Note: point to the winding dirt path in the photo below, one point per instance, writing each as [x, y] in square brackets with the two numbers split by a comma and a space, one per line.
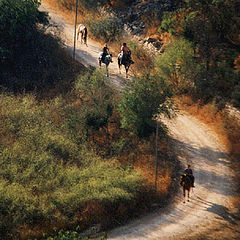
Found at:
[210, 210]
[87, 55]
[210, 205]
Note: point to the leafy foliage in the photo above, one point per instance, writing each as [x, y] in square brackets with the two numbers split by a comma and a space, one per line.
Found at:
[107, 29]
[98, 98]
[177, 66]
[142, 99]
[47, 172]
[86, 4]
[213, 29]
[30, 58]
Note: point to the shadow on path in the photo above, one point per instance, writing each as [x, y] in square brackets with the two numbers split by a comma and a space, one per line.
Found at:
[222, 211]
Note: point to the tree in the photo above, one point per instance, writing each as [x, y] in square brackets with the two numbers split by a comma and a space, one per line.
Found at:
[97, 97]
[19, 21]
[177, 66]
[212, 26]
[19, 34]
[142, 99]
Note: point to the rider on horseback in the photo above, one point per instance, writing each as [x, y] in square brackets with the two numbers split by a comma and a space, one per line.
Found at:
[105, 52]
[125, 52]
[188, 171]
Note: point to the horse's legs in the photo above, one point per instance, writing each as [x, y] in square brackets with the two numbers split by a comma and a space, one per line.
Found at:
[107, 70]
[100, 63]
[85, 40]
[188, 195]
[81, 37]
[184, 195]
[126, 71]
[119, 65]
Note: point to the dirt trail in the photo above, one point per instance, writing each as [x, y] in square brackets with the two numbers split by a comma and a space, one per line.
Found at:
[210, 208]
[210, 204]
[88, 55]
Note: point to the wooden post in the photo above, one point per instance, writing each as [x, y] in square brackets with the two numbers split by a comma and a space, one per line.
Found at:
[156, 160]
[75, 30]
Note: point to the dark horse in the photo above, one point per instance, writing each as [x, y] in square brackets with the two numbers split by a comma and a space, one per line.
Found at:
[186, 183]
[82, 30]
[126, 61]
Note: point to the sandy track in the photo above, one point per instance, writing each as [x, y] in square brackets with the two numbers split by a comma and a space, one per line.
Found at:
[88, 55]
[210, 205]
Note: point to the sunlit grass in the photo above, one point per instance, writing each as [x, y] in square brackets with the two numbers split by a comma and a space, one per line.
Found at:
[46, 173]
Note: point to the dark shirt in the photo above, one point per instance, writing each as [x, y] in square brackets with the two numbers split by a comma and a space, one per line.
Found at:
[188, 171]
[105, 50]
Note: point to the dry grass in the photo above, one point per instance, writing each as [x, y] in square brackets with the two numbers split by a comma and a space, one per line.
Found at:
[208, 114]
[227, 129]
[143, 159]
[152, 25]
[69, 15]
[120, 4]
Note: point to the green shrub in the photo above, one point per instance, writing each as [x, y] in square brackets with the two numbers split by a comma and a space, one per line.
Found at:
[168, 23]
[47, 172]
[119, 146]
[72, 235]
[108, 29]
[98, 182]
[177, 66]
[31, 59]
[98, 98]
[142, 99]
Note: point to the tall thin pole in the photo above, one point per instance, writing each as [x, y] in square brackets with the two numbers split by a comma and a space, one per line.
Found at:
[75, 30]
[156, 160]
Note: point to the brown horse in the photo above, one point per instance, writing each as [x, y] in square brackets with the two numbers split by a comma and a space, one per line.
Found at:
[82, 30]
[126, 61]
[186, 183]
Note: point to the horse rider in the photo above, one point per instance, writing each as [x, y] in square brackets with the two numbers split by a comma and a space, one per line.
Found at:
[126, 52]
[188, 171]
[105, 52]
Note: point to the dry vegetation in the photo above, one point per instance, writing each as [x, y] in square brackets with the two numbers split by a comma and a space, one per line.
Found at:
[59, 203]
[226, 126]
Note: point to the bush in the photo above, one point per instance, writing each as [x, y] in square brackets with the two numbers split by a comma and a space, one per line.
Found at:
[98, 98]
[142, 58]
[121, 3]
[107, 30]
[168, 23]
[47, 172]
[142, 99]
[177, 66]
[70, 5]
[31, 59]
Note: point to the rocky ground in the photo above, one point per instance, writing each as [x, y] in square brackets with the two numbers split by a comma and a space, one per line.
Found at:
[132, 19]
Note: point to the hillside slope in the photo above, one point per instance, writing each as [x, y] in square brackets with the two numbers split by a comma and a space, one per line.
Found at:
[210, 210]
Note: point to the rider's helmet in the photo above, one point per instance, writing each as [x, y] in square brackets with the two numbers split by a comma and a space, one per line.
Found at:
[124, 44]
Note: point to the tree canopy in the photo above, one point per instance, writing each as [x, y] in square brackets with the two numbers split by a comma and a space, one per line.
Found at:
[142, 99]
